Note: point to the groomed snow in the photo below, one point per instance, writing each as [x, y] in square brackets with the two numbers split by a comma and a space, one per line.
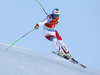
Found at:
[21, 61]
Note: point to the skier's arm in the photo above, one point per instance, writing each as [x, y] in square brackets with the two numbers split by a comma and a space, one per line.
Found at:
[41, 23]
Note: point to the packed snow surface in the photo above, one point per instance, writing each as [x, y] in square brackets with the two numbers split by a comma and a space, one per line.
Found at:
[21, 61]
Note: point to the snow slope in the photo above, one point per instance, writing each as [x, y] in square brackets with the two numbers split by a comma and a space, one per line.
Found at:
[21, 61]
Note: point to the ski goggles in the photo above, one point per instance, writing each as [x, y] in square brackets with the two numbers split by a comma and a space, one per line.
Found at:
[56, 15]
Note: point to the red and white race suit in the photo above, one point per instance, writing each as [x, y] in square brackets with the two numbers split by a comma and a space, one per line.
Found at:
[51, 34]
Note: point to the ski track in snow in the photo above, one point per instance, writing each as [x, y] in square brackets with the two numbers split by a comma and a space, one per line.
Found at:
[21, 61]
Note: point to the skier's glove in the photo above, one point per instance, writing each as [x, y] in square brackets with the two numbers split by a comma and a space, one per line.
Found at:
[36, 27]
[57, 23]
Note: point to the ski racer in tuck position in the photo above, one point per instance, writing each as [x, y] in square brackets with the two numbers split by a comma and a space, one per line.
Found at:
[51, 34]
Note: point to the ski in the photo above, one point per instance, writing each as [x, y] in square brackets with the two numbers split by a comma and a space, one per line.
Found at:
[72, 60]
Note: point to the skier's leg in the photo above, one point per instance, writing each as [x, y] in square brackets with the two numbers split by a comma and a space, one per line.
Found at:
[60, 41]
[54, 41]
[50, 35]
[56, 44]
[63, 46]
[57, 47]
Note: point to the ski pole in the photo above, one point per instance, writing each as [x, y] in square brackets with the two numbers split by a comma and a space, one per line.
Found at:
[42, 7]
[18, 40]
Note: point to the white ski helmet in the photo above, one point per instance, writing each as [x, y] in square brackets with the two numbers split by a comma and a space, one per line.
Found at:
[56, 12]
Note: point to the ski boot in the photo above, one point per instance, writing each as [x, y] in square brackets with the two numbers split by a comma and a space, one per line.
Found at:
[60, 53]
[68, 56]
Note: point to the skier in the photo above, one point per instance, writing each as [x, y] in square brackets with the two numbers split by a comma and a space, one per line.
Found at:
[51, 34]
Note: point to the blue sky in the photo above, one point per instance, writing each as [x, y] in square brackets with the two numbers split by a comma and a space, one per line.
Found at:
[79, 26]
